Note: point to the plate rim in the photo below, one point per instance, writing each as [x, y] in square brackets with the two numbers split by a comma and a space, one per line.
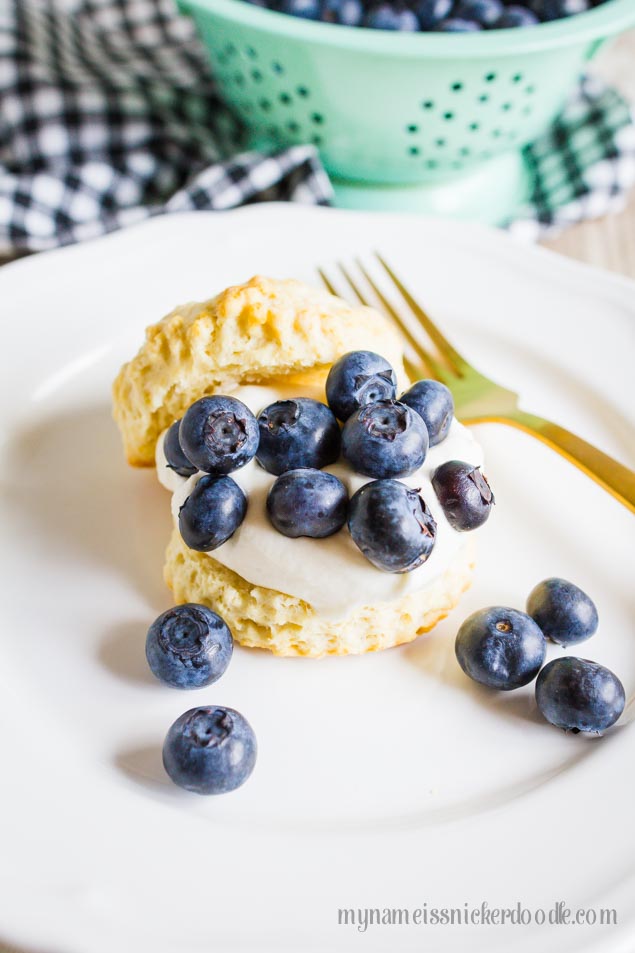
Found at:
[619, 283]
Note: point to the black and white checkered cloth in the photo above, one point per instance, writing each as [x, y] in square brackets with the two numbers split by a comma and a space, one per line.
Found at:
[583, 166]
[109, 114]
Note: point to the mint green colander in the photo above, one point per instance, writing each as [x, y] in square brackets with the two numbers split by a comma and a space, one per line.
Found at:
[389, 109]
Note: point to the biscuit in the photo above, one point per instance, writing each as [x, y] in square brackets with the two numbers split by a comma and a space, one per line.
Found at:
[251, 333]
[286, 625]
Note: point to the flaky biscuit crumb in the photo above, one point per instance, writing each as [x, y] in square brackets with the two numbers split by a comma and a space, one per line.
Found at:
[286, 625]
[257, 332]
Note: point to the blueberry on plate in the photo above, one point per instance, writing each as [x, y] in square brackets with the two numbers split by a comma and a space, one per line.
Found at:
[175, 459]
[485, 12]
[434, 403]
[189, 646]
[219, 434]
[516, 16]
[387, 16]
[500, 647]
[464, 494]
[212, 513]
[307, 502]
[458, 25]
[210, 750]
[386, 439]
[578, 695]
[431, 12]
[392, 526]
[297, 433]
[563, 611]
[357, 379]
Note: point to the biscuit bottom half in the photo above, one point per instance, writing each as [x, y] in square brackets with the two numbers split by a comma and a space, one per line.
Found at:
[285, 625]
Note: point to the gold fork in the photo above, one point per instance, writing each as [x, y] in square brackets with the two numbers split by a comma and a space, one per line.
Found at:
[478, 399]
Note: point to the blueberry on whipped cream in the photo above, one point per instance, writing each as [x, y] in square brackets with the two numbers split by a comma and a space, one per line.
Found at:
[357, 379]
[175, 459]
[212, 513]
[307, 502]
[297, 433]
[324, 497]
[385, 439]
[464, 494]
[391, 525]
[434, 403]
[218, 434]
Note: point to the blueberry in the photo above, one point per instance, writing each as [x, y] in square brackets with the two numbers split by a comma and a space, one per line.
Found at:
[579, 695]
[344, 12]
[434, 403]
[501, 648]
[359, 378]
[386, 16]
[175, 459]
[516, 16]
[306, 9]
[392, 525]
[212, 513]
[189, 646]
[556, 9]
[219, 434]
[307, 503]
[464, 494]
[386, 439]
[297, 433]
[485, 12]
[564, 613]
[458, 25]
[431, 12]
[210, 750]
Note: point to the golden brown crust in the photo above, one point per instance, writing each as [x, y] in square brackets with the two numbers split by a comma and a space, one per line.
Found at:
[251, 333]
[285, 625]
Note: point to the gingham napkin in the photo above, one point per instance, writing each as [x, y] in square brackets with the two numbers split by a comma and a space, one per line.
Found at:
[109, 114]
[584, 166]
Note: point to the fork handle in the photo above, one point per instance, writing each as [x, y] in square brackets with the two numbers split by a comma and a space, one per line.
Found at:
[614, 477]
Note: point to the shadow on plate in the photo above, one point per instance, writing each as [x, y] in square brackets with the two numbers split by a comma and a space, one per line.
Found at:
[74, 499]
[144, 765]
[434, 655]
[122, 652]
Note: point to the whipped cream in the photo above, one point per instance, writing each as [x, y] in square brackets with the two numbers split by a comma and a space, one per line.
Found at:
[330, 574]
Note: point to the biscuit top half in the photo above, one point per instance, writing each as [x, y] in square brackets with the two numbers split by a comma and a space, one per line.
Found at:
[264, 331]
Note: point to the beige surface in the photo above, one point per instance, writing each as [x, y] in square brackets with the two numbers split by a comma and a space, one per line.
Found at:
[608, 242]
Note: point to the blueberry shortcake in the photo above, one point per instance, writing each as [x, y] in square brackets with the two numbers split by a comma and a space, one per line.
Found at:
[322, 504]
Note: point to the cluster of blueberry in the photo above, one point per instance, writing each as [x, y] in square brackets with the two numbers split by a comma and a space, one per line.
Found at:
[209, 749]
[505, 649]
[382, 437]
[450, 16]
[212, 749]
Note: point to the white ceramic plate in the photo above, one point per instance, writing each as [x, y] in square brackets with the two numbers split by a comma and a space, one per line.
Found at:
[382, 781]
